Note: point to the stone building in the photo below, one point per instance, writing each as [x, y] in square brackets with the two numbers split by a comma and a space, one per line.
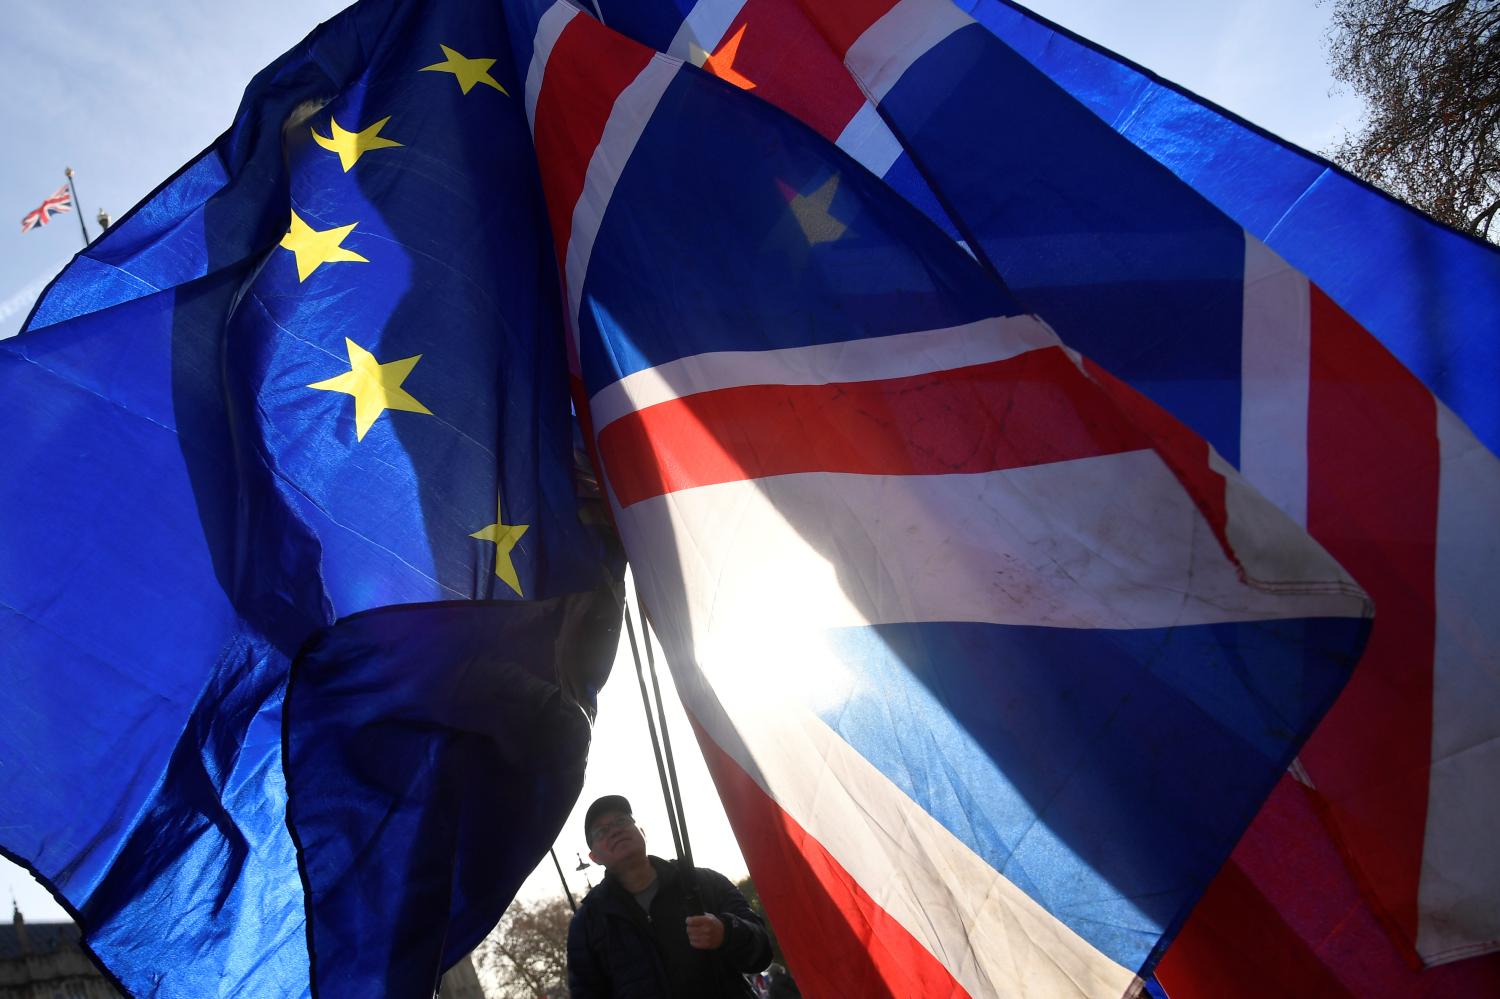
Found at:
[46, 961]
[461, 982]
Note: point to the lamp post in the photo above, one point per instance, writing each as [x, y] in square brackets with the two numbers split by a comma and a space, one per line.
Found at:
[583, 868]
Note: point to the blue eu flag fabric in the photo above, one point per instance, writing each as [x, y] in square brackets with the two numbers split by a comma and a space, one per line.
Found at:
[300, 584]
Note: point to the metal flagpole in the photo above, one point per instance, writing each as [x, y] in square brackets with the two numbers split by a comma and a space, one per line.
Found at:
[572, 903]
[661, 770]
[77, 207]
[675, 815]
[666, 736]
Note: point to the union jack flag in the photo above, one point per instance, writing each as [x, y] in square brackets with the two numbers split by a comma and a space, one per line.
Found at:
[1296, 346]
[60, 201]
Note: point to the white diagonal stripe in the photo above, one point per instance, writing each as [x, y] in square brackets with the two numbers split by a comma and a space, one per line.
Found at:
[1456, 914]
[870, 140]
[821, 364]
[548, 29]
[703, 29]
[889, 47]
[1275, 357]
[627, 120]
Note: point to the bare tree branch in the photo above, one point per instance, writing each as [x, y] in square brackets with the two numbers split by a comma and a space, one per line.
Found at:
[1430, 74]
[525, 957]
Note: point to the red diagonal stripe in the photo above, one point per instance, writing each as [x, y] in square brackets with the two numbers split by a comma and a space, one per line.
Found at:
[788, 60]
[843, 21]
[1284, 918]
[587, 70]
[1373, 464]
[1026, 410]
[837, 940]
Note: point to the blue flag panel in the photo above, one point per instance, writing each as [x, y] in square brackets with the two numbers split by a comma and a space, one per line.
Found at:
[1428, 293]
[432, 755]
[317, 373]
[1125, 262]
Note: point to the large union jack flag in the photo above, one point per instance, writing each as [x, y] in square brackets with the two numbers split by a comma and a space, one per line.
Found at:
[962, 761]
[1321, 337]
[60, 200]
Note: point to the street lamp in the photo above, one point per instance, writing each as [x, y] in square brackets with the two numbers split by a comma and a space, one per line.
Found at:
[582, 868]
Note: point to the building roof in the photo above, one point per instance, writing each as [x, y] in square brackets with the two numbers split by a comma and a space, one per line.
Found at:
[44, 938]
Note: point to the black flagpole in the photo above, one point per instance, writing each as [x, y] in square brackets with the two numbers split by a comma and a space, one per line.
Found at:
[572, 903]
[672, 796]
[666, 736]
[77, 207]
[661, 770]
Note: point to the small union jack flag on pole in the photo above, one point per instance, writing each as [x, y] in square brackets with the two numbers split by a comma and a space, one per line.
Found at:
[60, 201]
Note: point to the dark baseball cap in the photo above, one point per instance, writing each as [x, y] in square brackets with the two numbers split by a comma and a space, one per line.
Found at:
[603, 806]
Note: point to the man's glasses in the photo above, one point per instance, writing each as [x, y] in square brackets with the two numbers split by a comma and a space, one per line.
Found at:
[605, 828]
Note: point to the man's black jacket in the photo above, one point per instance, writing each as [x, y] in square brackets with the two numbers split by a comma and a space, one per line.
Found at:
[616, 952]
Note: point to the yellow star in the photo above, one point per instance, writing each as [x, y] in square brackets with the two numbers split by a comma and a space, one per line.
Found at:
[314, 247]
[468, 71]
[811, 212]
[376, 387]
[721, 63]
[352, 145]
[505, 537]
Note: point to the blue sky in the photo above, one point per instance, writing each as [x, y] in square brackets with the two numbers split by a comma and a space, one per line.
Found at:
[126, 93]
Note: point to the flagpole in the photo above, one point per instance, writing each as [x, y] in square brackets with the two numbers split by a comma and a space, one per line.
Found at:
[572, 902]
[666, 736]
[661, 770]
[672, 796]
[77, 206]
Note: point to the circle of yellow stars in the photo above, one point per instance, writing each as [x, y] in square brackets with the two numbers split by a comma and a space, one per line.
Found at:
[378, 387]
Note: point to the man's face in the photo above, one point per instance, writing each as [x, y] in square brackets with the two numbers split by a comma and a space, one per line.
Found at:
[615, 837]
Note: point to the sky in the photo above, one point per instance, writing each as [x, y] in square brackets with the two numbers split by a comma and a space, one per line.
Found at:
[127, 93]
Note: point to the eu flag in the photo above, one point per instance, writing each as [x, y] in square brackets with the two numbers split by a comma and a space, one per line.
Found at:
[302, 617]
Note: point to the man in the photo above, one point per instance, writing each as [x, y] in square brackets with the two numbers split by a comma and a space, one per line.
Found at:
[637, 935]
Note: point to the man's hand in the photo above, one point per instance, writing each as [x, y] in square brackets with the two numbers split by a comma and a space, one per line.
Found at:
[705, 932]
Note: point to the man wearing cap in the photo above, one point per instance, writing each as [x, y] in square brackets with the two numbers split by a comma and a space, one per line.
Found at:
[638, 934]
